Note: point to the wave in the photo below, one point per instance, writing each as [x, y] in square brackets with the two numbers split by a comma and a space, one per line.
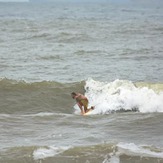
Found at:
[38, 36]
[121, 95]
[54, 97]
[89, 52]
[50, 57]
[113, 151]
[104, 153]
[30, 98]
[42, 153]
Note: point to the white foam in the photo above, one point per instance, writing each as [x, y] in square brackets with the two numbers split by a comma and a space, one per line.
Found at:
[132, 149]
[42, 153]
[112, 159]
[41, 114]
[5, 115]
[120, 94]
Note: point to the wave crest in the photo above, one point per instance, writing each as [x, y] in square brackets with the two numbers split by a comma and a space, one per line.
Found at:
[122, 95]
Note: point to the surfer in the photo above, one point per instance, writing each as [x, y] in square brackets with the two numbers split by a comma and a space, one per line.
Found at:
[82, 101]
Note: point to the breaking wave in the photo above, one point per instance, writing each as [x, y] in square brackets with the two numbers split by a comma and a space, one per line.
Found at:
[103, 153]
[54, 97]
[122, 95]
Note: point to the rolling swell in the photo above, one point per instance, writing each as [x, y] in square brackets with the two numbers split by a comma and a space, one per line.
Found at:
[54, 97]
[45, 96]
[121, 152]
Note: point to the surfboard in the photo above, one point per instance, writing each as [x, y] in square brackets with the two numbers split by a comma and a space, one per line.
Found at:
[88, 113]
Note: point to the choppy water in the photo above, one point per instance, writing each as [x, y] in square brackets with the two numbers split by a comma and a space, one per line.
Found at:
[103, 41]
[111, 52]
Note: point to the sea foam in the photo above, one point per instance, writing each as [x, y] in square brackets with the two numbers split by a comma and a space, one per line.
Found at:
[135, 150]
[131, 149]
[45, 152]
[122, 95]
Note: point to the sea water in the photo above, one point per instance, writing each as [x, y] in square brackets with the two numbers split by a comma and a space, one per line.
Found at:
[110, 51]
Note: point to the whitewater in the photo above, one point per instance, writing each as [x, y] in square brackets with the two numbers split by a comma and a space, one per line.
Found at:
[122, 95]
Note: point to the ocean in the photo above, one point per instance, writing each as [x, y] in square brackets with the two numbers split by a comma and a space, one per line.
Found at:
[112, 52]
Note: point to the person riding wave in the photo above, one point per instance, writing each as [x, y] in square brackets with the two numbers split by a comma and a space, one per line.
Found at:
[82, 101]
